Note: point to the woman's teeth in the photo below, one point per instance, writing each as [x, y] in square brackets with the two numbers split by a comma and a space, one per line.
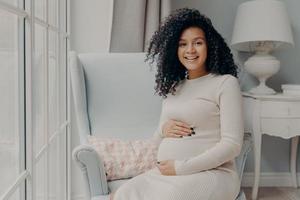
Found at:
[191, 58]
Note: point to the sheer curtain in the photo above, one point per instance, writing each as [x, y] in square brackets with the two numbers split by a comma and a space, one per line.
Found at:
[134, 22]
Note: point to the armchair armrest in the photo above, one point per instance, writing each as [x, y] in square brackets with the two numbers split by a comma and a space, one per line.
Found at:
[92, 168]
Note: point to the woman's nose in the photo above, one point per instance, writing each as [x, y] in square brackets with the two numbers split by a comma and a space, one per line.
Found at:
[190, 48]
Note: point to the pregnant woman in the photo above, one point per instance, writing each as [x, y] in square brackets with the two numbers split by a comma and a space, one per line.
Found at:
[201, 129]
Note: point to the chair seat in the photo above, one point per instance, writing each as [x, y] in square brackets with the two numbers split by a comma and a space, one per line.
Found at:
[114, 185]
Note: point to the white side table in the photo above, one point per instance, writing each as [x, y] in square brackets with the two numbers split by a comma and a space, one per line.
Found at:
[275, 115]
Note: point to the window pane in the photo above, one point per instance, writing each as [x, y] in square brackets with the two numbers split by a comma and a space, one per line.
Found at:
[40, 9]
[41, 178]
[62, 117]
[53, 12]
[54, 178]
[38, 88]
[62, 168]
[63, 83]
[17, 194]
[63, 17]
[12, 2]
[53, 83]
[10, 101]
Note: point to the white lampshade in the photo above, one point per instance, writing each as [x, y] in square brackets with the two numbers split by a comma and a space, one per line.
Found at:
[261, 20]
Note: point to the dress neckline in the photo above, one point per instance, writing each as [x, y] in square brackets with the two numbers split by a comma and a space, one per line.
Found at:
[200, 78]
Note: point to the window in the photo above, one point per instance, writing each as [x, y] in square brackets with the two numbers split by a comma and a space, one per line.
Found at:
[34, 100]
[11, 101]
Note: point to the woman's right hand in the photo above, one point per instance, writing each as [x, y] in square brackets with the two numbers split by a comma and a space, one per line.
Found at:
[176, 129]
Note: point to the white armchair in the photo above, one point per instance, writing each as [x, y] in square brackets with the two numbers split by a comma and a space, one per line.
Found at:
[114, 96]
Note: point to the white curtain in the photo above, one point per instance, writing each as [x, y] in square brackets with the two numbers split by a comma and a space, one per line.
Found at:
[134, 22]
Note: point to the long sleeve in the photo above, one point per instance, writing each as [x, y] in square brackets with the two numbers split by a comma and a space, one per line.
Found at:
[231, 131]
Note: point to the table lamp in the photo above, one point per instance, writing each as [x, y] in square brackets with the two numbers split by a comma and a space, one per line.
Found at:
[262, 26]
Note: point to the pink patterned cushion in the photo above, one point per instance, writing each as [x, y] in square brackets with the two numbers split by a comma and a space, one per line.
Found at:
[125, 159]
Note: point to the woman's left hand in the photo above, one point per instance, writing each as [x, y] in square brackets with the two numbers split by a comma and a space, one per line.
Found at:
[167, 167]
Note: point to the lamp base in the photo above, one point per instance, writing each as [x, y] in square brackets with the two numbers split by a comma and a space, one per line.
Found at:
[262, 65]
[262, 89]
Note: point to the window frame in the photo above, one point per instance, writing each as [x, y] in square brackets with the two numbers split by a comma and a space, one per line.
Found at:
[26, 44]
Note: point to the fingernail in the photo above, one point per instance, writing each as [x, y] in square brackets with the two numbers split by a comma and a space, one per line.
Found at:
[158, 162]
[193, 133]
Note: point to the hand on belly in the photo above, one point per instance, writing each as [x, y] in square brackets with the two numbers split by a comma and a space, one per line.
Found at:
[167, 167]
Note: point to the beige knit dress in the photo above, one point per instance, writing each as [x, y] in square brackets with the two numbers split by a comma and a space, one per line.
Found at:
[204, 162]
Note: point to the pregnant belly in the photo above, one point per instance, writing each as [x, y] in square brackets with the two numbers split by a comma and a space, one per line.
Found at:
[182, 148]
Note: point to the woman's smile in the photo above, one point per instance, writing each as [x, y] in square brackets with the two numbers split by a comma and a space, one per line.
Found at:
[189, 58]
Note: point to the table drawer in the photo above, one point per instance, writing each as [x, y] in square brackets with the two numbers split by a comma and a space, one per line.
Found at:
[285, 128]
[280, 109]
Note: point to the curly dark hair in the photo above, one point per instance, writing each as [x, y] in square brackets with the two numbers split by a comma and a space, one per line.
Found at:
[164, 44]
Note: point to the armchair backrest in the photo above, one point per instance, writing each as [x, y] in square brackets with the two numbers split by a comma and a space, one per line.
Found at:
[114, 95]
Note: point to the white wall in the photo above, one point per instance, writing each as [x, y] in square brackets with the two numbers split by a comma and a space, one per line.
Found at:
[90, 25]
[90, 32]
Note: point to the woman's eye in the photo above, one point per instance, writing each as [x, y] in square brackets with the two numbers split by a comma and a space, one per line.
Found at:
[182, 44]
[199, 43]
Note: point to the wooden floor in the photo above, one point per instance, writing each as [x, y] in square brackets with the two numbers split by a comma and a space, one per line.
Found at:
[275, 193]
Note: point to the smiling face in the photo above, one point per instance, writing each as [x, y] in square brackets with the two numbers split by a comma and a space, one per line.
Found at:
[192, 51]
